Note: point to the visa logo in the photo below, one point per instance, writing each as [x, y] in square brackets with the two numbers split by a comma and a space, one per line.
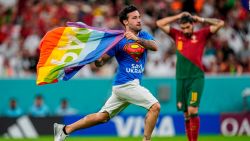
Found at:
[134, 126]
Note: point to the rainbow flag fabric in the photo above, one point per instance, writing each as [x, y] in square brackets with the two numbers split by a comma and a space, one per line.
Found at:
[65, 50]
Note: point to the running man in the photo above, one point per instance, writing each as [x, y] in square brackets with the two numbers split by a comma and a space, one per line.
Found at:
[131, 55]
[190, 46]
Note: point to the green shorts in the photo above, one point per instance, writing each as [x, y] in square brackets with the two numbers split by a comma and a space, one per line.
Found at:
[189, 92]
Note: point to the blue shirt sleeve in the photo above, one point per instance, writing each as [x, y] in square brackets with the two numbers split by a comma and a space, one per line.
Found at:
[112, 51]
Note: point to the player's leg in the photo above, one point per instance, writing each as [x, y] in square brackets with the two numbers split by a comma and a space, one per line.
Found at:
[62, 131]
[194, 123]
[195, 94]
[181, 100]
[187, 125]
[181, 95]
[150, 121]
[87, 121]
[113, 106]
[138, 95]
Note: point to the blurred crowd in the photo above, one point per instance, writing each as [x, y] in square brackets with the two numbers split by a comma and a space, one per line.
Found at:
[24, 22]
[39, 108]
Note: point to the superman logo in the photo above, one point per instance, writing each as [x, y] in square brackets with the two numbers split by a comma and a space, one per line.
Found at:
[135, 50]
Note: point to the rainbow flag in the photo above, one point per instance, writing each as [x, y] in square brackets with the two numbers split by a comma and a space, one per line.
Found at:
[65, 50]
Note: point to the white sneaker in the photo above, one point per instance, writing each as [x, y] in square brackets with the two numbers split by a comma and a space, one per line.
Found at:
[59, 135]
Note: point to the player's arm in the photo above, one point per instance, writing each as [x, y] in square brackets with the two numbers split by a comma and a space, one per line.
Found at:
[148, 44]
[101, 61]
[164, 23]
[216, 24]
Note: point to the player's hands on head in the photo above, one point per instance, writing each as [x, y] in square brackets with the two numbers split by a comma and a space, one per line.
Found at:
[197, 18]
[129, 35]
[184, 14]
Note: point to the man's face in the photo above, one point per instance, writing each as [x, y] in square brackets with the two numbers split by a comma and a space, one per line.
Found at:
[187, 29]
[64, 104]
[13, 104]
[38, 102]
[134, 21]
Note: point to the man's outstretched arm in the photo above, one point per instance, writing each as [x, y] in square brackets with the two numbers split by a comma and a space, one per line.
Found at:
[164, 23]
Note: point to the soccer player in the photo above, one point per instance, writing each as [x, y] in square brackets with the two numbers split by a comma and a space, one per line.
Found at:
[130, 53]
[189, 71]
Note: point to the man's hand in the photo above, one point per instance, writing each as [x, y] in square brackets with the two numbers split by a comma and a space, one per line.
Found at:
[99, 62]
[102, 60]
[184, 14]
[198, 19]
[164, 23]
[130, 35]
[148, 44]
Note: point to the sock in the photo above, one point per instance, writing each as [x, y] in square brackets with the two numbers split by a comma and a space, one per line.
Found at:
[187, 129]
[64, 130]
[194, 126]
[145, 139]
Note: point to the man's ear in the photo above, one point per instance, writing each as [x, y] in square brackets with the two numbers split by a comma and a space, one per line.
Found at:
[125, 22]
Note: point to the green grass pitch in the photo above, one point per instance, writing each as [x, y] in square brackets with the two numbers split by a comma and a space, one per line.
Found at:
[176, 138]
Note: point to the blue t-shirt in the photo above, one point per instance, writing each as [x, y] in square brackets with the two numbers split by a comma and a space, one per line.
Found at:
[14, 112]
[41, 111]
[131, 58]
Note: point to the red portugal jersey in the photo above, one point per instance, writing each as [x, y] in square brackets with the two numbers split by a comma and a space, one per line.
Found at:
[189, 52]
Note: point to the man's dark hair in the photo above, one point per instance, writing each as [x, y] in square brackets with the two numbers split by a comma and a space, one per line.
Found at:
[12, 99]
[123, 15]
[186, 19]
[39, 96]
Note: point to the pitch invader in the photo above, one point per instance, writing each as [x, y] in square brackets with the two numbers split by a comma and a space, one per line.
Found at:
[131, 55]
